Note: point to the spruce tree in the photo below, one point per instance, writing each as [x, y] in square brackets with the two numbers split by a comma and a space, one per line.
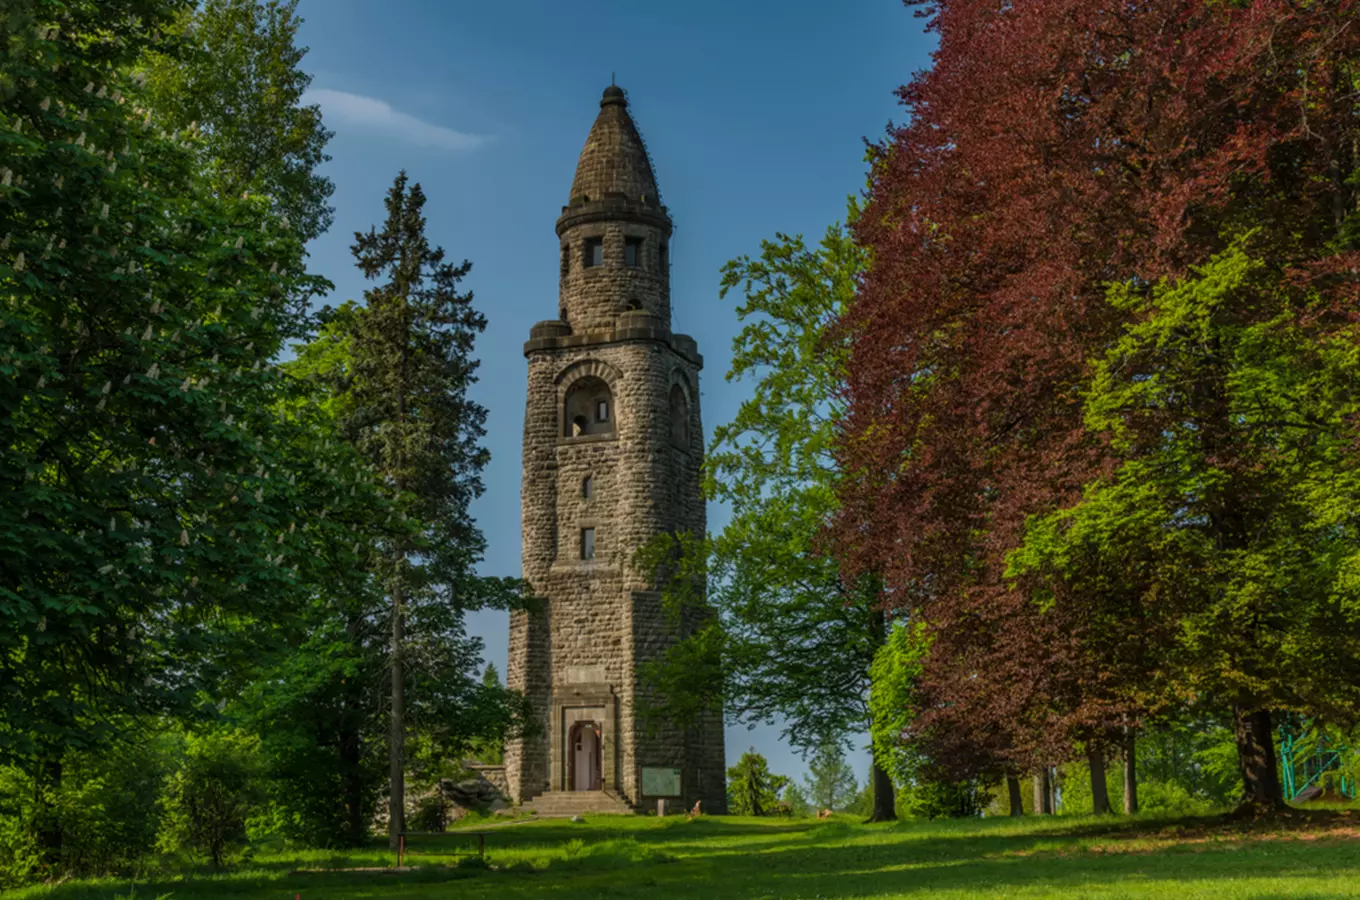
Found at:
[411, 416]
[752, 790]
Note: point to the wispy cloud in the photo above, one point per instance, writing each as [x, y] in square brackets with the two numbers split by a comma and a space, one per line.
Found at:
[368, 113]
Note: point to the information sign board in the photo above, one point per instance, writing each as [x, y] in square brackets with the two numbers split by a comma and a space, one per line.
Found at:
[659, 782]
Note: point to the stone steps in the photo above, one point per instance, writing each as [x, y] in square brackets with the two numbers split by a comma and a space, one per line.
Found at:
[564, 804]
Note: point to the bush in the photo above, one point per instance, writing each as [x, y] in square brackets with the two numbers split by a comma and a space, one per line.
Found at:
[943, 800]
[20, 861]
[208, 800]
[1170, 797]
[106, 806]
[431, 813]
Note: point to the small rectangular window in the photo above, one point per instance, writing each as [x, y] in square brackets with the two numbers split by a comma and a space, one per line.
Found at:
[602, 411]
[566, 260]
[632, 252]
[594, 252]
[587, 543]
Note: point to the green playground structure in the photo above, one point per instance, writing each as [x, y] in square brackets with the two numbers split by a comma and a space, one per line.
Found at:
[1314, 764]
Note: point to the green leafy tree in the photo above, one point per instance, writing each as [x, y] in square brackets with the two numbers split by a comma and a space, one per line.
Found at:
[207, 802]
[797, 799]
[163, 512]
[107, 804]
[236, 74]
[793, 641]
[830, 782]
[491, 752]
[1232, 407]
[752, 790]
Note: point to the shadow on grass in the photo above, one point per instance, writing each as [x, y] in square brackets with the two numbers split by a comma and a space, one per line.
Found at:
[713, 858]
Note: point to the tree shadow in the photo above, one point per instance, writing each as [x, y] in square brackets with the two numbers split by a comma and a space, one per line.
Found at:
[712, 858]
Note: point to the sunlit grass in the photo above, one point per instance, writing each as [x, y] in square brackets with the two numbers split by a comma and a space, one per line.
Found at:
[714, 858]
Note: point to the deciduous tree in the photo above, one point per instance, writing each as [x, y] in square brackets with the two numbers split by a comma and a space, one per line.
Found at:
[161, 508]
[793, 640]
[1062, 154]
[236, 73]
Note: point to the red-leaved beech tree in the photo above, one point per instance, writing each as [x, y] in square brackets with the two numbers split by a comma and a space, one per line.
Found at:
[1069, 166]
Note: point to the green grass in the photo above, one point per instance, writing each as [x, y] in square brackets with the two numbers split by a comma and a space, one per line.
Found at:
[1308, 855]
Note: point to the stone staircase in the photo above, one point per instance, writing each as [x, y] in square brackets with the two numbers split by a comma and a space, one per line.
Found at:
[564, 804]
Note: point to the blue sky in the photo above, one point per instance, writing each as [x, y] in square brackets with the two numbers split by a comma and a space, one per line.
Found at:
[755, 113]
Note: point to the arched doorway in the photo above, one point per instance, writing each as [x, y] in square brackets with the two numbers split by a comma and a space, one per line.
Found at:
[584, 757]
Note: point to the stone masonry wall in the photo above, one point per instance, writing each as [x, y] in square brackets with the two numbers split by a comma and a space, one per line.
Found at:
[578, 656]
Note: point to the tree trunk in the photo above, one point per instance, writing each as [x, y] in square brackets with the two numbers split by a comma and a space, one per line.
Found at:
[352, 785]
[396, 797]
[351, 749]
[885, 795]
[1261, 790]
[1130, 773]
[1043, 793]
[46, 788]
[1013, 789]
[1100, 795]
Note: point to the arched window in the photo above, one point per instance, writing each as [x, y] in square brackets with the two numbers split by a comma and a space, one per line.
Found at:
[679, 410]
[589, 408]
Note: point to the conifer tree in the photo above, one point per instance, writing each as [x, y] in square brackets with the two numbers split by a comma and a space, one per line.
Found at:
[410, 415]
[830, 782]
[752, 789]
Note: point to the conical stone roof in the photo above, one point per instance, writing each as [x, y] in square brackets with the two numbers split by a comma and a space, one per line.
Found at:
[614, 162]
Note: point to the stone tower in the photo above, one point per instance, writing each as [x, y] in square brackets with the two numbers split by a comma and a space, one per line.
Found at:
[612, 454]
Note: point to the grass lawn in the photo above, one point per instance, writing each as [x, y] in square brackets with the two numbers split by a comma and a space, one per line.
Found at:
[1315, 854]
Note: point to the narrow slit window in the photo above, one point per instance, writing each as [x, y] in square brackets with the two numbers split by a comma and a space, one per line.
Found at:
[566, 260]
[594, 255]
[661, 259]
[587, 486]
[587, 543]
[602, 411]
[632, 252]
